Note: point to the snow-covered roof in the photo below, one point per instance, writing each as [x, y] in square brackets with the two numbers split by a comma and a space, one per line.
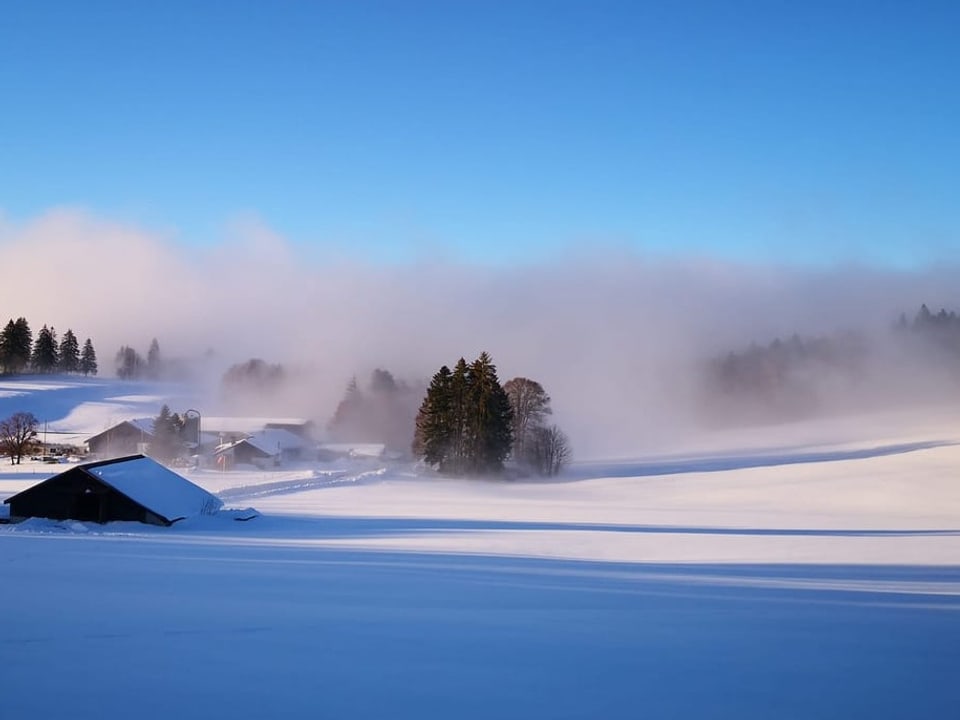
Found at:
[157, 488]
[269, 442]
[246, 425]
[144, 425]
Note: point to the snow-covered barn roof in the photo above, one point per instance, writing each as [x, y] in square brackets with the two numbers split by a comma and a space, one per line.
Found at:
[143, 424]
[128, 488]
[157, 488]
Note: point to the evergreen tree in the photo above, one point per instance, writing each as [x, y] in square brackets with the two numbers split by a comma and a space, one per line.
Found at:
[435, 424]
[69, 353]
[254, 375]
[382, 382]
[6, 340]
[460, 382]
[382, 413]
[166, 444]
[88, 359]
[346, 425]
[45, 354]
[129, 363]
[153, 360]
[489, 418]
[16, 344]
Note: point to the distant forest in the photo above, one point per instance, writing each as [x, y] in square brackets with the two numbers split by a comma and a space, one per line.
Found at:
[801, 376]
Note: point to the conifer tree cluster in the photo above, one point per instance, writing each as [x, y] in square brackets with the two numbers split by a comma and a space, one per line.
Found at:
[167, 443]
[464, 423]
[382, 412]
[939, 331]
[254, 374]
[19, 352]
[131, 365]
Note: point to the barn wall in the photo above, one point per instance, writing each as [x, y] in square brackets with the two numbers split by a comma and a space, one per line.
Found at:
[120, 441]
[77, 495]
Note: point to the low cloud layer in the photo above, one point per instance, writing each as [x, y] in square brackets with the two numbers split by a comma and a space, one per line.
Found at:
[613, 336]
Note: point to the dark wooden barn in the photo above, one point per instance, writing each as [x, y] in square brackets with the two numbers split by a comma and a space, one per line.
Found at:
[130, 488]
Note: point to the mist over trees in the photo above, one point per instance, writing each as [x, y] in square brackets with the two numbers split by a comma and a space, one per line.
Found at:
[167, 443]
[256, 386]
[800, 377]
[129, 364]
[382, 412]
[938, 335]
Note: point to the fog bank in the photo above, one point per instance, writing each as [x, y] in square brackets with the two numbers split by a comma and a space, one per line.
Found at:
[614, 336]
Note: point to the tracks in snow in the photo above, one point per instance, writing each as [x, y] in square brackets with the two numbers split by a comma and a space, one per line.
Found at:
[315, 481]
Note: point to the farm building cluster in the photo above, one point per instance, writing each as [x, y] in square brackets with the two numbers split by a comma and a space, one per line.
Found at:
[118, 480]
[225, 443]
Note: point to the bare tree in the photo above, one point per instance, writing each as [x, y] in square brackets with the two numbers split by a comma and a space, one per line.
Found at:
[531, 405]
[16, 434]
[548, 450]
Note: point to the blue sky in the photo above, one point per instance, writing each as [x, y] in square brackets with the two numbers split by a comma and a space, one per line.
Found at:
[797, 133]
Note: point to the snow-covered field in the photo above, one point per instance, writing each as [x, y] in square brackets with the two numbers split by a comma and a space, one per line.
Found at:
[803, 572]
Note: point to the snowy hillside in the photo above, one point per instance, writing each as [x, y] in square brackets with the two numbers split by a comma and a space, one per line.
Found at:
[71, 408]
[797, 572]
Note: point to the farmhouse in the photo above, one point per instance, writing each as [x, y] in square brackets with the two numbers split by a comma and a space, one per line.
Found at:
[236, 428]
[128, 488]
[124, 438]
[264, 448]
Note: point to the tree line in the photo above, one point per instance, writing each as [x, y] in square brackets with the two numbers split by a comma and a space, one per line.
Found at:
[20, 352]
[785, 376]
